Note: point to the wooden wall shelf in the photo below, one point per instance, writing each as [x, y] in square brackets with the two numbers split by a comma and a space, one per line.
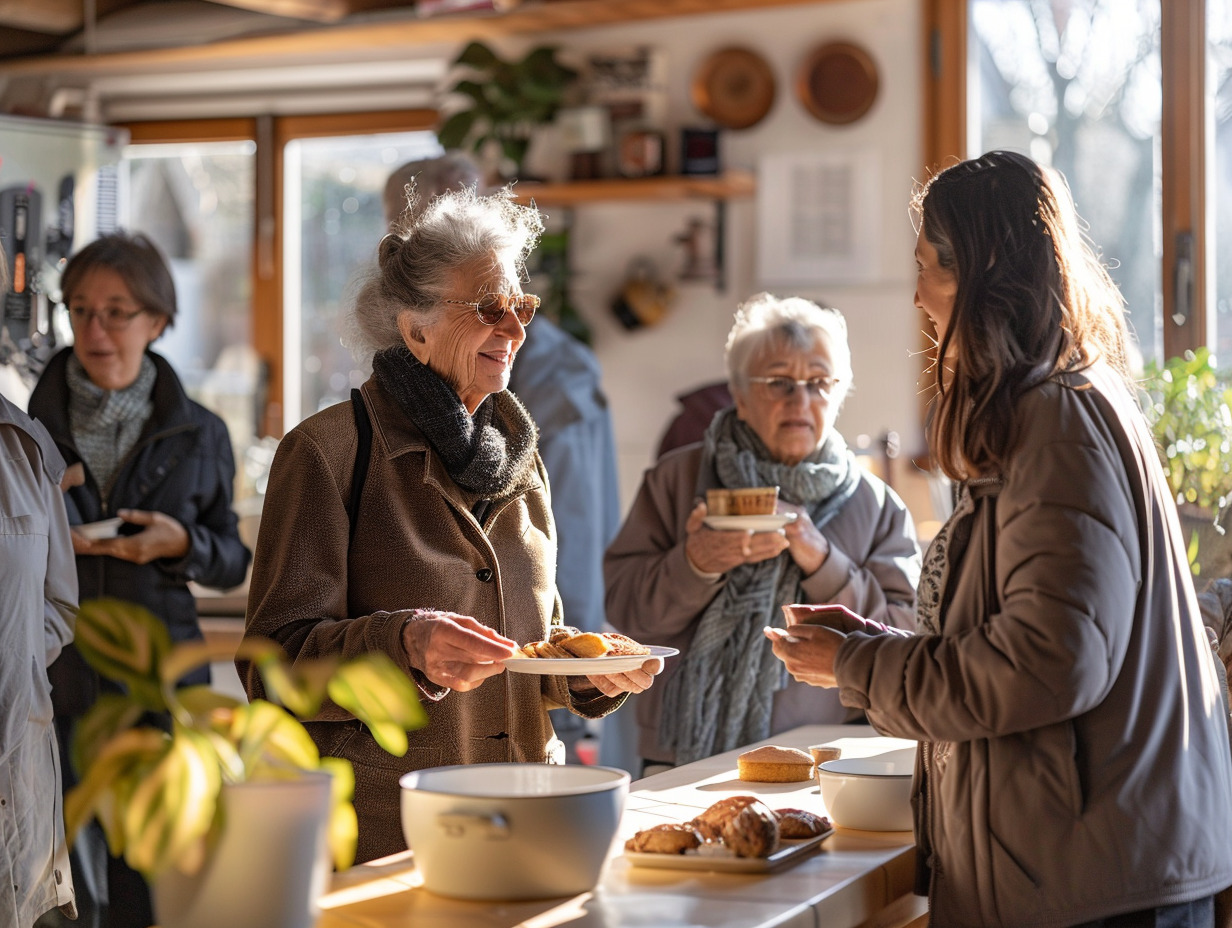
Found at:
[377, 40]
[730, 185]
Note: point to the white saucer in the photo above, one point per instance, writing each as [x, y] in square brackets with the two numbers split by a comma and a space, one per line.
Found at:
[95, 531]
[572, 666]
[767, 523]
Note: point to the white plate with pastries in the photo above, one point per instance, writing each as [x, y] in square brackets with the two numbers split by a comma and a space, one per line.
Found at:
[721, 860]
[571, 666]
[764, 523]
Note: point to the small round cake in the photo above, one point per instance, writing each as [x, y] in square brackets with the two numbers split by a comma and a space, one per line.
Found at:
[773, 764]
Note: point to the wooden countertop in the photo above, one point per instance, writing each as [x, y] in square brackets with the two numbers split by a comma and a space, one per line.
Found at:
[855, 880]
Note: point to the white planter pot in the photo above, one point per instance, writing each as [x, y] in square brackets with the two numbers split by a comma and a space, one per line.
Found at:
[269, 868]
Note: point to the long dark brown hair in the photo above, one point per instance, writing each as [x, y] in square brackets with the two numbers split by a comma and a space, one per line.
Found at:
[1032, 299]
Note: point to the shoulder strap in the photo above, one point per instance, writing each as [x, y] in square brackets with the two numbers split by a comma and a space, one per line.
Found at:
[363, 429]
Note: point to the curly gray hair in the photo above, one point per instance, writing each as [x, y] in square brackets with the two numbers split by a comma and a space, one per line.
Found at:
[457, 230]
[766, 323]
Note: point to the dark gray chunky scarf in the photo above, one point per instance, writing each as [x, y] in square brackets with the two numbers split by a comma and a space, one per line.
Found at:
[105, 424]
[722, 695]
[492, 452]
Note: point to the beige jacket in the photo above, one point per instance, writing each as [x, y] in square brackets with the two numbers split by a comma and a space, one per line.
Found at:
[1076, 764]
[417, 545]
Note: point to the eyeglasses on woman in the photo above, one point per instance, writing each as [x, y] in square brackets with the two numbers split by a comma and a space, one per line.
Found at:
[491, 307]
[111, 318]
[782, 388]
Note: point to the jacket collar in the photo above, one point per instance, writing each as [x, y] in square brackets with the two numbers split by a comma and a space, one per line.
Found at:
[49, 401]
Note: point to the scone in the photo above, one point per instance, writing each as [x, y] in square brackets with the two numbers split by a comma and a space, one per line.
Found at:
[800, 823]
[773, 764]
[753, 831]
[669, 838]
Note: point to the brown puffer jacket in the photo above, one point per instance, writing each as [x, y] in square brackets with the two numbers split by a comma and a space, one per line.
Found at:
[417, 545]
[1077, 762]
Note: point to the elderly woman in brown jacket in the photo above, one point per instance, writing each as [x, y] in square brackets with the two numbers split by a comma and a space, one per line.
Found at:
[446, 561]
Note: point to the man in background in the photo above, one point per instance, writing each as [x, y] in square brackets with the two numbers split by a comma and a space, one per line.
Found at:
[558, 379]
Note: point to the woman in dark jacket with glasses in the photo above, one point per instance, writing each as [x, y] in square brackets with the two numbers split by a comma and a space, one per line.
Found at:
[446, 560]
[158, 466]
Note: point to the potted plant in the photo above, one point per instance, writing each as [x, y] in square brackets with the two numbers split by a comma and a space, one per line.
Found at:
[1189, 406]
[165, 795]
[508, 99]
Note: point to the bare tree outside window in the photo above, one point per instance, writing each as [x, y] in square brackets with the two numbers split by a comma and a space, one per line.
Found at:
[1076, 84]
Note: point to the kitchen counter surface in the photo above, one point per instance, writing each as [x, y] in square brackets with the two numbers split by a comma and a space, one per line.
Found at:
[854, 879]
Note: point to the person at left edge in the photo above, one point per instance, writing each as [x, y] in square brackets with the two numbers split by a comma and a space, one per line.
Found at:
[163, 464]
[38, 597]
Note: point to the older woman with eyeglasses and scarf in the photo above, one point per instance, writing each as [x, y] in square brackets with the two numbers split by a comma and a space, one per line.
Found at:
[144, 454]
[709, 591]
[447, 559]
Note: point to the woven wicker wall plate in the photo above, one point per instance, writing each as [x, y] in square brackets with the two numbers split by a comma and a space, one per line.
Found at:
[837, 82]
[735, 87]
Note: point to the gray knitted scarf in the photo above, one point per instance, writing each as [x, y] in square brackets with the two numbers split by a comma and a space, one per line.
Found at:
[492, 452]
[105, 424]
[722, 694]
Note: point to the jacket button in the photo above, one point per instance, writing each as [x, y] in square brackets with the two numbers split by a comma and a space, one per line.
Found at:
[484, 574]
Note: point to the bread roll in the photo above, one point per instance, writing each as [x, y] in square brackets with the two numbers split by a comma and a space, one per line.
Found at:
[773, 764]
[669, 838]
[753, 831]
[800, 823]
[710, 823]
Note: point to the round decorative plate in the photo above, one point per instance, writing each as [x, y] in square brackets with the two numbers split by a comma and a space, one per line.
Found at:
[837, 82]
[734, 87]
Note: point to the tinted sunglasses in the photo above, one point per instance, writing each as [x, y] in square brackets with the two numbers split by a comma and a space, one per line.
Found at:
[491, 307]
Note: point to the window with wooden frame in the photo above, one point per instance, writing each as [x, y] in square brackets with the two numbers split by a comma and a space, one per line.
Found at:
[301, 200]
[1132, 100]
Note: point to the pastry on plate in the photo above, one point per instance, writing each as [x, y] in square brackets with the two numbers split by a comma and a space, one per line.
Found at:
[669, 838]
[800, 823]
[773, 764]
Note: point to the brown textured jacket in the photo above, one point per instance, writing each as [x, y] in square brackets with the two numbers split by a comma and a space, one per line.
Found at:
[1077, 762]
[417, 545]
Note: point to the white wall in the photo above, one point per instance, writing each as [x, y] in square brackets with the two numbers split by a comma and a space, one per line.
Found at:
[645, 369]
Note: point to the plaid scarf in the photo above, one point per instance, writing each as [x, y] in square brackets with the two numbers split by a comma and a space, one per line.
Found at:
[105, 424]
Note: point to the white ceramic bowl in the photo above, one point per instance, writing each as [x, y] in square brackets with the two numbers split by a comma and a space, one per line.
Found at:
[869, 793]
[512, 831]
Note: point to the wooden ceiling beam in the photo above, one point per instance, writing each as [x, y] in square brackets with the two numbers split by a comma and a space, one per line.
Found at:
[55, 17]
[320, 11]
[372, 40]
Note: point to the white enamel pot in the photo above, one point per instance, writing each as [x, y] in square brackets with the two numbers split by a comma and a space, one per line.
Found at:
[512, 831]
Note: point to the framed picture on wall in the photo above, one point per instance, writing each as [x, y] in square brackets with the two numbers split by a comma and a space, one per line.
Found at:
[819, 217]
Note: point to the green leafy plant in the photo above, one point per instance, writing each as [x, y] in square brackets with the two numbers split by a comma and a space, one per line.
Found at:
[1190, 411]
[1189, 406]
[156, 792]
[508, 99]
